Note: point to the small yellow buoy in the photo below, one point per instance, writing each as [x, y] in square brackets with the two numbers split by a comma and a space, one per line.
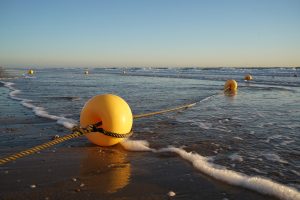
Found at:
[114, 114]
[230, 86]
[248, 77]
[30, 72]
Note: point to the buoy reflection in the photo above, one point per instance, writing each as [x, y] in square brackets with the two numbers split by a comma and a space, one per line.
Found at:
[105, 170]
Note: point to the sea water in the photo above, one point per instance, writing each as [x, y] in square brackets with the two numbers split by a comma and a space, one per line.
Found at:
[250, 139]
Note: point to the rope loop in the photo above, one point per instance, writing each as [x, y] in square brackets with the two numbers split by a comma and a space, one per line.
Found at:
[95, 128]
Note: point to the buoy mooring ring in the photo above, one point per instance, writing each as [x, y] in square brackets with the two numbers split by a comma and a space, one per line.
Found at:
[114, 113]
[230, 86]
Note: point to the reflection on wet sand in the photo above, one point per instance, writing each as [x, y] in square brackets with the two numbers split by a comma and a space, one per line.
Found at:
[105, 170]
[231, 94]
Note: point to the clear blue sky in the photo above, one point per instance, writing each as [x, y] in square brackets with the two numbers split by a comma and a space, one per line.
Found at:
[152, 33]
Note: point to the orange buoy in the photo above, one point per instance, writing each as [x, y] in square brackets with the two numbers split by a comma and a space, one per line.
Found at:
[114, 114]
[230, 86]
[248, 77]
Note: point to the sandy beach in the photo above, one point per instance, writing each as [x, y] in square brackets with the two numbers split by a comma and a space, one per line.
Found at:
[149, 100]
[77, 169]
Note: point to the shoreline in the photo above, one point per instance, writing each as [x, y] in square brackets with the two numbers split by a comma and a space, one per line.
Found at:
[79, 170]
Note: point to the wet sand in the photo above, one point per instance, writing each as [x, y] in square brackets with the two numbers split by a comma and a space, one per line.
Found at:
[77, 169]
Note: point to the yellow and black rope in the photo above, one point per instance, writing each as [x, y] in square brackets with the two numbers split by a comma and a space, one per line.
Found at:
[77, 132]
[164, 111]
[39, 148]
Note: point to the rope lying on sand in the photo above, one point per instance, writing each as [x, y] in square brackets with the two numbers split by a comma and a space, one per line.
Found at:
[78, 131]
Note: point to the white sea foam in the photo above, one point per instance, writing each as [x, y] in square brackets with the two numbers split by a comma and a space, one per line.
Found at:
[136, 145]
[286, 142]
[274, 157]
[203, 125]
[277, 136]
[201, 163]
[236, 157]
[238, 138]
[259, 184]
[207, 126]
[258, 171]
[66, 122]
[39, 111]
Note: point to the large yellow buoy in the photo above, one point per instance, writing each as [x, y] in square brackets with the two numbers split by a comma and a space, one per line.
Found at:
[230, 86]
[248, 77]
[115, 115]
[30, 72]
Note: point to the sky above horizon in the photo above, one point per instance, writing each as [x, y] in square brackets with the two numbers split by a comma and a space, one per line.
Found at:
[153, 33]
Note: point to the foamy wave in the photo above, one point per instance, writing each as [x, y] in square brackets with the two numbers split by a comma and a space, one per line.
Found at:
[203, 125]
[136, 145]
[208, 125]
[259, 184]
[274, 157]
[66, 122]
[39, 111]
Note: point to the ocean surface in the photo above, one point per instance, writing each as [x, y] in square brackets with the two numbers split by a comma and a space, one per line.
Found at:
[250, 139]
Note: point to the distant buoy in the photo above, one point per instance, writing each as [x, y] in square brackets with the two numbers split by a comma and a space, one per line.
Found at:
[30, 72]
[230, 86]
[114, 113]
[248, 77]
[86, 72]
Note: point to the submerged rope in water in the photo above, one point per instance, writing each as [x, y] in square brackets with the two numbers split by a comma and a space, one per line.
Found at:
[77, 132]
[164, 111]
